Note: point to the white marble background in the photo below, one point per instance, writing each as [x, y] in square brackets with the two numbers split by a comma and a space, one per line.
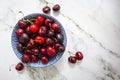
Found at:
[92, 26]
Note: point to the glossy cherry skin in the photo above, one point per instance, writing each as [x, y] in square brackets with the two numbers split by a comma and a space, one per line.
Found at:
[25, 58]
[79, 55]
[46, 9]
[44, 60]
[42, 30]
[72, 59]
[51, 51]
[19, 66]
[34, 28]
[40, 40]
[55, 26]
[34, 58]
[39, 20]
[56, 7]
[22, 24]
[19, 32]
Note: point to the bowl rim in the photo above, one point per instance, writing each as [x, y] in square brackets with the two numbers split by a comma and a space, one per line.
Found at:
[38, 64]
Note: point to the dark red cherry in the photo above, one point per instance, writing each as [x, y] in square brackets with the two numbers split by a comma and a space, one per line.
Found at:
[56, 7]
[19, 46]
[79, 55]
[35, 51]
[46, 9]
[22, 24]
[72, 59]
[19, 32]
[19, 66]
[44, 60]
[51, 51]
[61, 48]
[24, 38]
[43, 51]
[48, 22]
[42, 30]
[49, 41]
[25, 58]
[34, 58]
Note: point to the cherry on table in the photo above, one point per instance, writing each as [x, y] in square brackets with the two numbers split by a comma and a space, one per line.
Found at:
[56, 7]
[19, 66]
[72, 59]
[46, 9]
[79, 55]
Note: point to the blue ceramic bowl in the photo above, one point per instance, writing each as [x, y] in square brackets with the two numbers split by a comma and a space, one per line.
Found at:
[14, 42]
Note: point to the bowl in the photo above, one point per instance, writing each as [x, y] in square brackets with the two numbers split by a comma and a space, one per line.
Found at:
[14, 42]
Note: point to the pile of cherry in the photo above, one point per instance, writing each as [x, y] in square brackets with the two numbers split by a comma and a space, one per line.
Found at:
[40, 39]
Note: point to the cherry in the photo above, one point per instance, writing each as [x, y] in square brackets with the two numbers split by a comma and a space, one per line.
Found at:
[61, 48]
[19, 32]
[39, 20]
[24, 38]
[35, 51]
[34, 58]
[39, 39]
[59, 37]
[43, 51]
[46, 9]
[25, 58]
[72, 59]
[57, 45]
[56, 7]
[79, 55]
[22, 24]
[42, 30]
[51, 51]
[34, 28]
[49, 41]
[19, 46]
[55, 26]
[28, 30]
[19, 66]
[50, 33]
[48, 22]
[44, 60]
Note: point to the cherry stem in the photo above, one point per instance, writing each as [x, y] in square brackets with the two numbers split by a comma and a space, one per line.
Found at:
[70, 53]
[22, 14]
[11, 67]
[29, 21]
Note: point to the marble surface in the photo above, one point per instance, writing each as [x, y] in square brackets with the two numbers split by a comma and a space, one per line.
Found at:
[92, 27]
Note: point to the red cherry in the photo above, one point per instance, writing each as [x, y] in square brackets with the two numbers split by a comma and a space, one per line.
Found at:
[79, 55]
[19, 32]
[43, 51]
[44, 60]
[55, 26]
[34, 28]
[39, 20]
[51, 51]
[19, 66]
[72, 59]
[25, 58]
[33, 58]
[39, 39]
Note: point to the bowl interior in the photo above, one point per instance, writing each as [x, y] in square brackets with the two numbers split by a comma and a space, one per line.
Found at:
[14, 42]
